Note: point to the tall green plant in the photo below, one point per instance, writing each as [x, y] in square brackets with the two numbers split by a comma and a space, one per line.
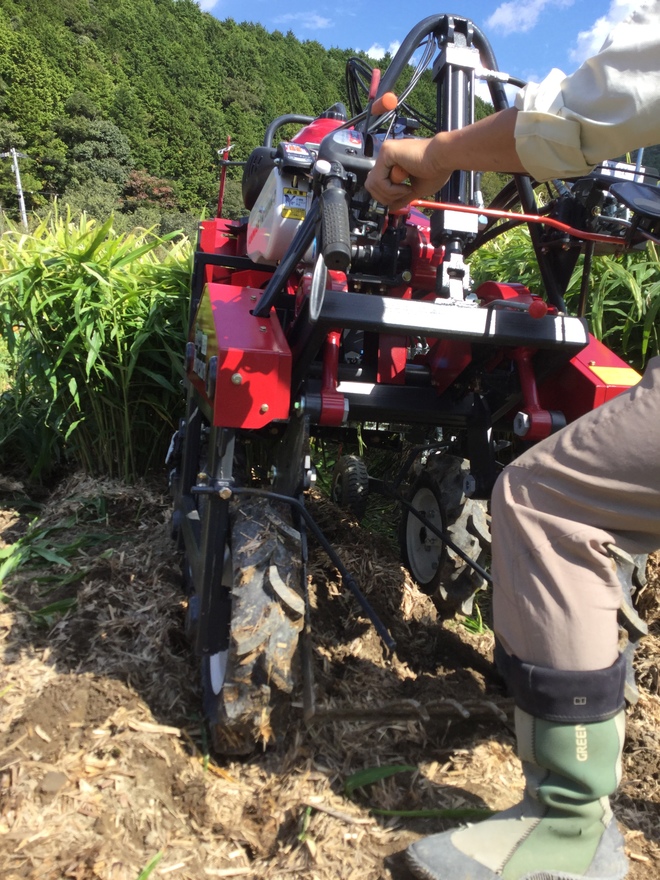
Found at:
[625, 304]
[95, 322]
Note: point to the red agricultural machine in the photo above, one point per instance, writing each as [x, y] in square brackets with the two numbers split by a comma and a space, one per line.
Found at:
[321, 315]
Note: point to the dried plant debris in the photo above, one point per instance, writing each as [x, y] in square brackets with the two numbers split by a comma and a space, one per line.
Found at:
[105, 770]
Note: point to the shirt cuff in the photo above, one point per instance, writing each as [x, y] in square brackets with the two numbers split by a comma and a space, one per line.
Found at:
[549, 146]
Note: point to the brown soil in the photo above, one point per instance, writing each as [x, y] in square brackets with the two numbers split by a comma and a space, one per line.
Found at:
[103, 758]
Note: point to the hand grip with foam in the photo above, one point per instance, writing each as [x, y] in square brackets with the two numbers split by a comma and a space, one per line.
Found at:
[335, 229]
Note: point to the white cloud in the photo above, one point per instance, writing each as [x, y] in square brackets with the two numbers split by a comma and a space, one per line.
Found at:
[590, 41]
[207, 5]
[310, 20]
[376, 50]
[514, 17]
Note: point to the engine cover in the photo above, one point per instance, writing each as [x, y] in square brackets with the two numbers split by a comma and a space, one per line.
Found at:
[281, 205]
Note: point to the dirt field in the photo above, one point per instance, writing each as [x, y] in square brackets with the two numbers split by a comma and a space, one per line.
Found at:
[104, 769]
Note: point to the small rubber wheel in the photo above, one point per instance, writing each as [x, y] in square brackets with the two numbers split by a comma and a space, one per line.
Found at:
[350, 485]
[440, 571]
[422, 549]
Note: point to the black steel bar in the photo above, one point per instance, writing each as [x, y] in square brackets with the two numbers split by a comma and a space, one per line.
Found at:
[447, 320]
[230, 261]
[589, 249]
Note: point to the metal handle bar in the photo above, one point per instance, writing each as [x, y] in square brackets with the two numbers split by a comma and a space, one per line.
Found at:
[284, 120]
[423, 29]
[522, 218]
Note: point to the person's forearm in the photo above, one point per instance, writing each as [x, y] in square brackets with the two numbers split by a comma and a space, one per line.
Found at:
[487, 145]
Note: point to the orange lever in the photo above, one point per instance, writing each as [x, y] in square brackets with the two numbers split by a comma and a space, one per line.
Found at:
[398, 174]
[384, 104]
[375, 82]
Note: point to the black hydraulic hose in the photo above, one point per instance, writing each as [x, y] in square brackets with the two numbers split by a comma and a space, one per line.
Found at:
[490, 234]
[496, 88]
[406, 50]
[428, 26]
[523, 182]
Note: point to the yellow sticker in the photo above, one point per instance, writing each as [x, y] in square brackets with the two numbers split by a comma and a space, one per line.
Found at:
[293, 213]
[295, 204]
[617, 375]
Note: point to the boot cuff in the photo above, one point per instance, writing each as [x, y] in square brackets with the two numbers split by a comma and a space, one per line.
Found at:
[562, 695]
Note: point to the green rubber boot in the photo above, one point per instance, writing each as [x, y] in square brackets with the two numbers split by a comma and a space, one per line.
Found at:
[562, 830]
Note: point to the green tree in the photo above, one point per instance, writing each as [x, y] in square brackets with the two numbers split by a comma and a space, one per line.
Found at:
[96, 149]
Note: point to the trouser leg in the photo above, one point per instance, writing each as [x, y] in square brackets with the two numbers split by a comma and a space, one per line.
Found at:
[556, 603]
[555, 510]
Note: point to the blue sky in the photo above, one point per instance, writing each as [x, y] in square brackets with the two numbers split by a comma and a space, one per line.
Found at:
[528, 37]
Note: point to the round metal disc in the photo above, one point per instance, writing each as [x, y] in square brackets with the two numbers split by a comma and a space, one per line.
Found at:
[317, 292]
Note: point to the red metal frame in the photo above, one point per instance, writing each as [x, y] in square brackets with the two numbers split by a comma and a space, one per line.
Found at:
[252, 382]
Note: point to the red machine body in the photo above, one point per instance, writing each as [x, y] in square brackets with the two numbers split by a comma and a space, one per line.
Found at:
[242, 364]
[591, 378]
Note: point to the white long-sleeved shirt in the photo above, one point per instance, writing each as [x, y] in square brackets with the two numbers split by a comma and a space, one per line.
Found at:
[568, 124]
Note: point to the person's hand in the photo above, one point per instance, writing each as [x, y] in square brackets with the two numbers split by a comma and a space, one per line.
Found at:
[414, 157]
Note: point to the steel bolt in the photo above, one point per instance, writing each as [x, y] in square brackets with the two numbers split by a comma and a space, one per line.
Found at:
[521, 424]
[263, 329]
[236, 378]
[263, 408]
[225, 493]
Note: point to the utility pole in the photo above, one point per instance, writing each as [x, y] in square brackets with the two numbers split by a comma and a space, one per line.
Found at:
[14, 155]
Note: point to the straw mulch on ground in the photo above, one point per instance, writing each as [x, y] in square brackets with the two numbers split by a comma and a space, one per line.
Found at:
[104, 767]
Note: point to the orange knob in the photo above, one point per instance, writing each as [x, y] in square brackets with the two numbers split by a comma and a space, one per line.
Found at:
[398, 174]
[384, 104]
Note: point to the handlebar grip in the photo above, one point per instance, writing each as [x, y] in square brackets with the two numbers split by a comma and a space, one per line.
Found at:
[384, 104]
[335, 229]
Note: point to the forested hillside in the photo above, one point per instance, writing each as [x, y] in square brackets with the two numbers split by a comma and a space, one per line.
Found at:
[123, 104]
[128, 100]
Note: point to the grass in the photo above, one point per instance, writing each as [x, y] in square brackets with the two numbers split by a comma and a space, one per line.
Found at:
[93, 324]
[48, 552]
[151, 865]
[371, 775]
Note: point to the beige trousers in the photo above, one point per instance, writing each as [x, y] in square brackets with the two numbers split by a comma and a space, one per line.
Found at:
[597, 481]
